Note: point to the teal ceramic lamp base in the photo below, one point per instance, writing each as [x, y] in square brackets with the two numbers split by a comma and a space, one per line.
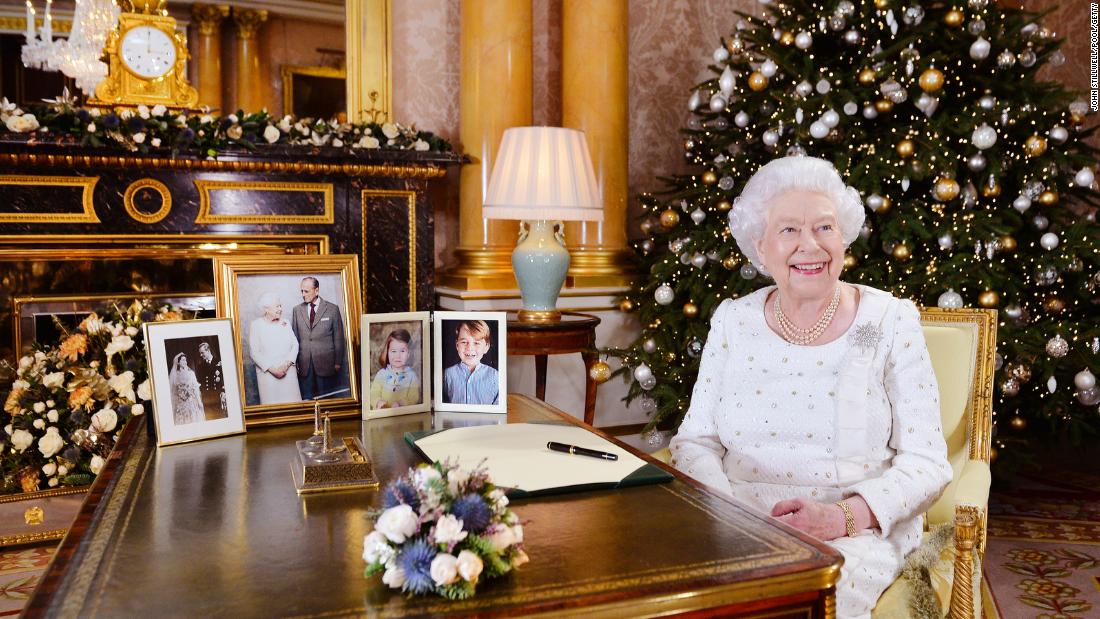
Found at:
[540, 261]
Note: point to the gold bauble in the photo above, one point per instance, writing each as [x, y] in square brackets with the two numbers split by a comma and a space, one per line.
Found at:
[989, 298]
[724, 206]
[954, 18]
[709, 177]
[729, 262]
[1076, 118]
[786, 38]
[1048, 198]
[867, 77]
[1035, 145]
[1007, 242]
[599, 372]
[1053, 304]
[669, 218]
[902, 252]
[1019, 371]
[991, 191]
[884, 106]
[626, 305]
[993, 453]
[691, 310]
[1018, 423]
[906, 148]
[886, 205]
[945, 189]
[757, 81]
[850, 261]
[931, 80]
[882, 4]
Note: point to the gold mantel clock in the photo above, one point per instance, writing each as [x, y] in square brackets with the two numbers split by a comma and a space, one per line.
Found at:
[146, 60]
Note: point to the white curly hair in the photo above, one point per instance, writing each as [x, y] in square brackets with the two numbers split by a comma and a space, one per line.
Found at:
[267, 300]
[800, 173]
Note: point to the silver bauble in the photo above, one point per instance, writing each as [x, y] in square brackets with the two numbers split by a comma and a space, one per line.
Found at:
[850, 108]
[1021, 203]
[721, 54]
[770, 137]
[1058, 133]
[1033, 189]
[979, 49]
[728, 81]
[768, 68]
[695, 101]
[987, 102]
[1046, 275]
[865, 231]
[853, 37]
[1089, 397]
[1006, 59]
[664, 294]
[648, 383]
[983, 137]
[694, 348]
[869, 112]
[1010, 387]
[912, 15]
[1040, 222]
[949, 300]
[698, 216]
[698, 261]
[717, 103]
[998, 361]
[1084, 177]
[830, 118]
[1057, 347]
[748, 271]
[823, 87]
[647, 404]
[837, 23]
[642, 372]
[946, 241]
[875, 202]
[1014, 311]
[818, 130]
[741, 119]
[1027, 58]
[650, 346]
[803, 40]
[976, 162]
[845, 8]
[1052, 384]
[685, 259]
[804, 88]
[1084, 380]
[695, 124]
[978, 5]
[1057, 58]
[1049, 241]
[725, 184]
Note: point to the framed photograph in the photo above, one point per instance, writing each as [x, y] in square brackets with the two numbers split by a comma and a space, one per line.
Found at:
[396, 366]
[470, 361]
[193, 369]
[293, 319]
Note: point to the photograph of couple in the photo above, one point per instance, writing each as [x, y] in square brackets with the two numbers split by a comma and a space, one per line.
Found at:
[293, 338]
[196, 379]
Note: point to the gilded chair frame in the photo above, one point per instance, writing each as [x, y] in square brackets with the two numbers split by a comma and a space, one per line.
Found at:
[971, 519]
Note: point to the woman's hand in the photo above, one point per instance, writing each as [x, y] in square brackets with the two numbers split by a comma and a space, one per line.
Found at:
[821, 520]
[276, 372]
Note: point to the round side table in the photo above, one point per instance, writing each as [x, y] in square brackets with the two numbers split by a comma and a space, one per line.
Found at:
[575, 333]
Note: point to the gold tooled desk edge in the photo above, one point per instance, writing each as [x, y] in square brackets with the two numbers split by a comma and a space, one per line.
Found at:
[300, 487]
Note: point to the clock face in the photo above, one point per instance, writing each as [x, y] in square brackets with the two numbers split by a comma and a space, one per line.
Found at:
[148, 52]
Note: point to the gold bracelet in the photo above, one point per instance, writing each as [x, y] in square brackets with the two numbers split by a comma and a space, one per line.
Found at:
[849, 519]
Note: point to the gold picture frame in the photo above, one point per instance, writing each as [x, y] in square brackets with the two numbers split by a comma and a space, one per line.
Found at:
[263, 296]
[300, 81]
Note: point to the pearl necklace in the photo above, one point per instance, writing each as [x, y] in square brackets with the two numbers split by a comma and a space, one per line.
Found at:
[794, 334]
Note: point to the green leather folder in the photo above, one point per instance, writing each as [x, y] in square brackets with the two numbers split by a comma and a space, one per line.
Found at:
[646, 474]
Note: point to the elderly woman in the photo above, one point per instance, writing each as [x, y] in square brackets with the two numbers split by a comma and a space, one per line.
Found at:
[815, 402]
[274, 348]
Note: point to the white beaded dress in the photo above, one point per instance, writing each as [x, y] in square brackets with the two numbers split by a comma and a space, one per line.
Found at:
[770, 420]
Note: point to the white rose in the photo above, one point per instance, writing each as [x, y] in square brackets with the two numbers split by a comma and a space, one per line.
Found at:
[97, 464]
[206, 119]
[62, 469]
[376, 549]
[394, 578]
[501, 538]
[337, 143]
[21, 124]
[143, 111]
[26, 362]
[119, 343]
[52, 415]
[123, 384]
[444, 569]
[449, 530]
[455, 479]
[105, 420]
[368, 141]
[469, 566]
[145, 390]
[499, 500]
[131, 331]
[39, 407]
[519, 558]
[91, 127]
[20, 384]
[137, 409]
[38, 424]
[397, 523]
[40, 356]
[232, 118]
[52, 482]
[21, 440]
[517, 533]
[390, 130]
[8, 429]
[116, 329]
[50, 443]
[53, 380]
[49, 403]
[126, 114]
[49, 469]
[95, 112]
[420, 145]
[138, 137]
[425, 475]
[159, 110]
[284, 124]
[155, 142]
[271, 134]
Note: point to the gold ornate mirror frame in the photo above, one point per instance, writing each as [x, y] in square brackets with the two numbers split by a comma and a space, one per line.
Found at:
[369, 70]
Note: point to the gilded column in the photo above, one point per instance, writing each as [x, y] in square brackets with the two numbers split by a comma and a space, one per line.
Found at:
[495, 94]
[249, 79]
[208, 57]
[368, 44]
[594, 100]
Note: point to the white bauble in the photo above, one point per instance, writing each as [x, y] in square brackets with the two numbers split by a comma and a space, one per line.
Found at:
[976, 162]
[695, 101]
[818, 129]
[748, 271]
[987, 102]
[830, 118]
[768, 68]
[721, 54]
[698, 216]
[698, 261]
[650, 346]
[643, 372]
[946, 241]
[1052, 384]
[1089, 397]
[1021, 203]
[717, 103]
[1084, 380]
[648, 383]
[979, 50]
[823, 87]
[950, 300]
[869, 112]
[1049, 240]
[728, 81]
[741, 119]
[799, 115]
[850, 108]
[875, 202]
[770, 138]
[1084, 178]
[1058, 133]
[853, 37]
[664, 294]
[983, 137]
[803, 40]
[803, 89]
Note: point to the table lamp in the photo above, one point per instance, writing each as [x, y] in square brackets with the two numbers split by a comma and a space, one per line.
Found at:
[542, 176]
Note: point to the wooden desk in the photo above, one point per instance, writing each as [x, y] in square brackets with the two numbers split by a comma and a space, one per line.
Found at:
[575, 332]
[215, 528]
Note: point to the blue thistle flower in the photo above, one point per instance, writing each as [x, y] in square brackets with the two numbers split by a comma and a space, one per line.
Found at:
[146, 315]
[415, 558]
[186, 135]
[124, 410]
[400, 492]
[83, 115]
[111, 121]
[473, 512]
[135, 124]
[131, 364]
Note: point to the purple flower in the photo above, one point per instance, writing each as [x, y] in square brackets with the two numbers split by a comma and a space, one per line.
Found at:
[400, 492]
[473, 512]
[146, 315]
[415, 559]
[111, 121]
[84, 116]
[187, 135]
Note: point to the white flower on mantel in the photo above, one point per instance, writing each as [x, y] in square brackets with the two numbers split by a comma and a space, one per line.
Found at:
[155, 142]
[377, 549]
[91, 127]
[397, 523]
[421, 145]
[271, 134]
[21, 440]
[444, 569]
[284, 124]
[119, 343]
[143, 111]
[51, 442]
[368, 141]
[448, 530]
[21, 124]
[97, 464]
[337, 142]
[123, 385]
[137, 409]
[53, 380]
[105, 420]
[159, 110]
[145, 390]
[49, 469]
[390, 130]
[138, 137]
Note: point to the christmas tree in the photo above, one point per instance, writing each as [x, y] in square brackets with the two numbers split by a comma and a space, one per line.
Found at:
[975, 175]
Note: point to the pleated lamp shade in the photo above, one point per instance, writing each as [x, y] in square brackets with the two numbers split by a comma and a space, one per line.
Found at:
[543, 173]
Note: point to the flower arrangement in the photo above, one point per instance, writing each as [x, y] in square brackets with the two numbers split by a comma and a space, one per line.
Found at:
[70, 401]
[159, 128]
[441, 530]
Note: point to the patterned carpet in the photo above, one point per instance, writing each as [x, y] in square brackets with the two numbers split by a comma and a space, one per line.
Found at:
[1043, 556]
[20, 569]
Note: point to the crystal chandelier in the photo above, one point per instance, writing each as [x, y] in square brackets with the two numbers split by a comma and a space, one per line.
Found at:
[78, 56]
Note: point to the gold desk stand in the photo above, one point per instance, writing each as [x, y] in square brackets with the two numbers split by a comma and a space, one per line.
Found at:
[352, 470]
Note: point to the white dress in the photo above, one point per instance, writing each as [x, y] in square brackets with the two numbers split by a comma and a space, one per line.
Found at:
[770, 420]
[186, 397]
[272, 344]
